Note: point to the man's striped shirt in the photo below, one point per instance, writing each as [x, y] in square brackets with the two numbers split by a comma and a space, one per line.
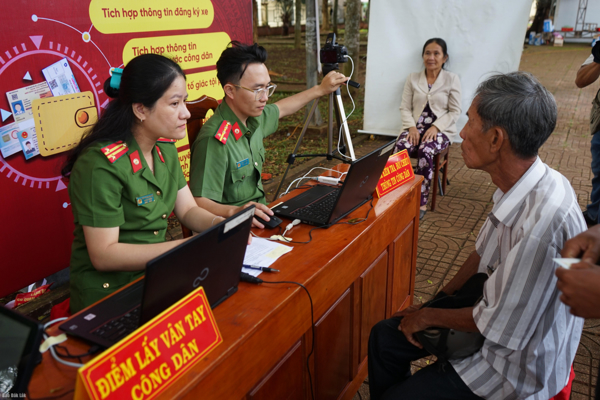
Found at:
[531, 337]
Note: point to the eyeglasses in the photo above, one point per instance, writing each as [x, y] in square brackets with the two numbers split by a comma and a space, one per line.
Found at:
[258, 93]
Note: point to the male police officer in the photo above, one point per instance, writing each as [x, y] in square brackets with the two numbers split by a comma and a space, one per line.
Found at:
[228, 154]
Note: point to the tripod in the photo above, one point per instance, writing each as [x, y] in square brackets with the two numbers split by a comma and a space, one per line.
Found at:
[335, 102]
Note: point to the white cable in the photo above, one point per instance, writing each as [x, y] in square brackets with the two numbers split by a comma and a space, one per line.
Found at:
[290, 226]
[54, 355]
[305, 176]
[346, 116]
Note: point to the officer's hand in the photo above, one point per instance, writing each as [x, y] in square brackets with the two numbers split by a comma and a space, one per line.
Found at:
[596, 52]
[331, 82]
[261, 211]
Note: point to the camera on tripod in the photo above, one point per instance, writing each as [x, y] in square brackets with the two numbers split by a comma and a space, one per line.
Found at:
[332, 54]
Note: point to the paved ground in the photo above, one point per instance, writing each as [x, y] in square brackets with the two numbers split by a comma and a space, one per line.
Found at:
[447, 236]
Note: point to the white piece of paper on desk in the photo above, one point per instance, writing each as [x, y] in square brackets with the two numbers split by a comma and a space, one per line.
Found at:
[263, 253]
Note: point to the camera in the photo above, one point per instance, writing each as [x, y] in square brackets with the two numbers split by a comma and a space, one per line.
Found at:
[333, 53]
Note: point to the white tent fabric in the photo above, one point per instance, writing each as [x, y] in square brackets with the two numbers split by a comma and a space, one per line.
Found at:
[483, 37]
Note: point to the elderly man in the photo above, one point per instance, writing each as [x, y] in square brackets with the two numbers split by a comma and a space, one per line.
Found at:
[530, 337]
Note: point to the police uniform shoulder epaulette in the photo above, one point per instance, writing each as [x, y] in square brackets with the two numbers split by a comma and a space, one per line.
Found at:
[223, 131]
[114, 151]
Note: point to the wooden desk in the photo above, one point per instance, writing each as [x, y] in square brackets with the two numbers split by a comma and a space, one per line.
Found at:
[356, 275]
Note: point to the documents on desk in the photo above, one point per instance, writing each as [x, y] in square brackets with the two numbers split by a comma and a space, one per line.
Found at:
[262, 253]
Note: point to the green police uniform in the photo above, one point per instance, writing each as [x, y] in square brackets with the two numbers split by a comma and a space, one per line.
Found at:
[105, 194]
[230, 173]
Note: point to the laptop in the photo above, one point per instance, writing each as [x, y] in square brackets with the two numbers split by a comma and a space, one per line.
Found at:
[324, 205]
[212, 259]
[20, 339]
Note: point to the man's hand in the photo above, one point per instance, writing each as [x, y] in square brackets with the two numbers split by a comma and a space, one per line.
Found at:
[413, 136]
[331, 82]
[586, 246]
[431, 134]
[412, 323]
[407, 310]
[261, 211]
[580, 287]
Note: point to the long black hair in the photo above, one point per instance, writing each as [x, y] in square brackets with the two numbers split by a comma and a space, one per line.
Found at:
[442, 43]
[145, 79]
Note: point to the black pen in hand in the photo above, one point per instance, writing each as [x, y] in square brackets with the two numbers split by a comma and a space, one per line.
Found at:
[263, 269]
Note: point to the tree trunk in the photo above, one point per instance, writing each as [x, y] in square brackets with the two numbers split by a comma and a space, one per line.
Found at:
[542, 12]
[266, 7]
[352, 35]
[298, 26]
[311, 54]
[325, 13]
[334, 18]
[255, 21]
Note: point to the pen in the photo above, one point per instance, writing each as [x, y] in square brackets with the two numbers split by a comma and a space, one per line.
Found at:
[264, 269]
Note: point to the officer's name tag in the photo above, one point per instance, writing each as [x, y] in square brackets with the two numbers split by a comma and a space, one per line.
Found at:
[242, 163]
[149, 198]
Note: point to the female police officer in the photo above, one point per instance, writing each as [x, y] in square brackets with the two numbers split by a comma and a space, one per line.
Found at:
[124, 182]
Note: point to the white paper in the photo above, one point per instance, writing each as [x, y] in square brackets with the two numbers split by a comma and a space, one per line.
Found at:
[566, 262]
[263, 253]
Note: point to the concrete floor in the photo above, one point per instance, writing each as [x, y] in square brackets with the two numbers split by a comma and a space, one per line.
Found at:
[447, 236]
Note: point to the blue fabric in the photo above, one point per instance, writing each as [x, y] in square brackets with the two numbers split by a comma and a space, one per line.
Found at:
[592, 208]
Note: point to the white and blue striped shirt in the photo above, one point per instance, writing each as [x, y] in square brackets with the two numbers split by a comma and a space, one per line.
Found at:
[531, 337]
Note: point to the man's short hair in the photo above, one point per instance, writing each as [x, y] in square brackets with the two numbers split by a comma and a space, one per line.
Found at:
[518, 103]
[235, 59]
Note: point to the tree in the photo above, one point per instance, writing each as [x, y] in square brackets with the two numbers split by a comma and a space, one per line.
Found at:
[334, 17]
[311, 54]
[352, 34]
[325, 16]
[298, 26]
[542, 12]
[287, 7]
[255, 21]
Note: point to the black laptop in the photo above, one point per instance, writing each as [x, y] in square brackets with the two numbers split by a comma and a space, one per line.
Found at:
[212, 259]
[325, 204]
[20, 339]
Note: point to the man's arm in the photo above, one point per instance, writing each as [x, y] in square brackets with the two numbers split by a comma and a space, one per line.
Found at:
[460, 319]
[587, 75]
[330, 83]
[468, 269]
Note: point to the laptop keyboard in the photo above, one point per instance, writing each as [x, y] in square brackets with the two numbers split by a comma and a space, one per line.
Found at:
[116, 329]
[318, 210]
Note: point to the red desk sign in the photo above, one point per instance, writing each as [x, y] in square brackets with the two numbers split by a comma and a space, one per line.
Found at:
[143, 364]
[396, 173]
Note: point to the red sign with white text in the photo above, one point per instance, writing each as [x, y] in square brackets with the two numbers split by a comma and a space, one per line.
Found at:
[146, 362]
[396, 173]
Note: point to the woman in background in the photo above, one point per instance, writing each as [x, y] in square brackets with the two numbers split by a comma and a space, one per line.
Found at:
[430, 108]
